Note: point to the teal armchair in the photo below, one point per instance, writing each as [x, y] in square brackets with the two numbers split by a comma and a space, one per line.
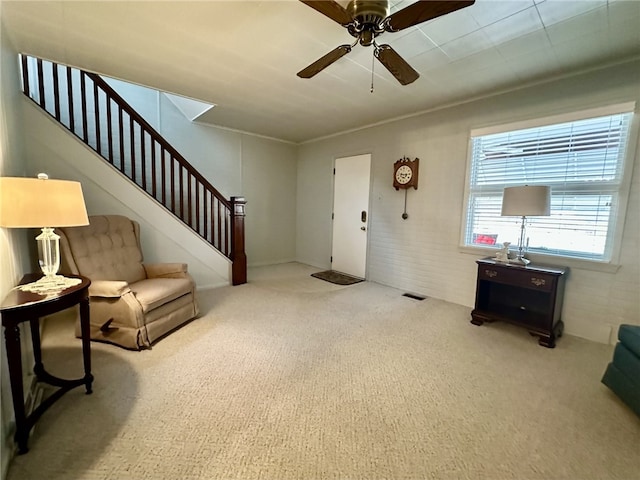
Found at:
[622, 375]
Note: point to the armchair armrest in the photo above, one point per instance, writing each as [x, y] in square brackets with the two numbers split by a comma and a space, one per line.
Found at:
[166, 270]
[108, 288]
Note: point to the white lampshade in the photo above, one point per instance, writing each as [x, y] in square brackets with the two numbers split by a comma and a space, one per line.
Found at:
[40, 202]
[526, 201]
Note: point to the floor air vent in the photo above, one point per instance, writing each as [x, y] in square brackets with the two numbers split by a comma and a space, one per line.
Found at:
[415, 297]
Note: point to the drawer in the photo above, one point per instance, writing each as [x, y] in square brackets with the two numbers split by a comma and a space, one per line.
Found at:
[520, 277]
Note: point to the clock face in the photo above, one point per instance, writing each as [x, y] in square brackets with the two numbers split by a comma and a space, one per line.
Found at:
[404, 174]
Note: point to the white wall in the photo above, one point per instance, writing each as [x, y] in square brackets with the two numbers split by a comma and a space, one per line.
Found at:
[422, 254]
[216, 153]
[238, 164]
[15, 254]
[269, 171]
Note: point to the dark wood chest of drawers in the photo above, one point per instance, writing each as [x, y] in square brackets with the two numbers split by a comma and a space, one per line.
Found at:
[530, 296]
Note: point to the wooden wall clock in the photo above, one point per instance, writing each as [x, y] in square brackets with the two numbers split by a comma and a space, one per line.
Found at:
[405, 173]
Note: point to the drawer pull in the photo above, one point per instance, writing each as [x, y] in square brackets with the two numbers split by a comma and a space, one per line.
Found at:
[538, 281]
[490, 273]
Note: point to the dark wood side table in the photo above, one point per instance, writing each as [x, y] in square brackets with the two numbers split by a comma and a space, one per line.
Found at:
[530, 296]
[20, 306]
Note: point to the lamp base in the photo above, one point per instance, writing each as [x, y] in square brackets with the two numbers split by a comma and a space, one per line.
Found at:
[50, 284]
[520, 261]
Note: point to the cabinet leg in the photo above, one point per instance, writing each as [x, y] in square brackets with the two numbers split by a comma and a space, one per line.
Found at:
[559, 329]
[479, 319]
[549, 342]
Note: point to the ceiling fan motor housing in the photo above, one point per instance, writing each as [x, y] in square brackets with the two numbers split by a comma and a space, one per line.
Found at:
[369, 16]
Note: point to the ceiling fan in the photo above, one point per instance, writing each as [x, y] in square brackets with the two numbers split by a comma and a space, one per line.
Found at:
[366, 19]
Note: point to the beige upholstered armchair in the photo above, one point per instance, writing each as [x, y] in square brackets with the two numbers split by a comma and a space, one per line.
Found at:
[132, 304]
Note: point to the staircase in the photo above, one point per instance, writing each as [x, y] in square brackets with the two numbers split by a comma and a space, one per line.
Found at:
[97, 115]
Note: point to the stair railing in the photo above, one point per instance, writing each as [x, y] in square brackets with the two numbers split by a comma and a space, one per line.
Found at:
[94, 112]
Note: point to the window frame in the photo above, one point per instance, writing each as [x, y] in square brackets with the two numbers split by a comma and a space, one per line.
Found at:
[615, 228]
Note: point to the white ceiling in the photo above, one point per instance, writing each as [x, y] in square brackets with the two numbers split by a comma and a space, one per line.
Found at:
[243, 56]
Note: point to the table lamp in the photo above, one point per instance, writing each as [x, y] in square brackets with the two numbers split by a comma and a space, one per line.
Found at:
[43, 203]
[525, 201]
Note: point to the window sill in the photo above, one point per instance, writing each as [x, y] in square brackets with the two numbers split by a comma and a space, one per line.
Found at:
[540, 258]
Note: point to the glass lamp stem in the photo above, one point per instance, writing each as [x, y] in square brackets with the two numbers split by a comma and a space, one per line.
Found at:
[521, 260]
[48, 251]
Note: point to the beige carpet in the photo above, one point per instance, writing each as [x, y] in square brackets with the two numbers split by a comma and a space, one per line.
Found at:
[291, 377]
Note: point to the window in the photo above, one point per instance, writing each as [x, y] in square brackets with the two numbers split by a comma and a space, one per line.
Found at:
[582, 159]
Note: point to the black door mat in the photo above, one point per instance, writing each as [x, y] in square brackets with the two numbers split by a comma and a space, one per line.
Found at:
[337, 277]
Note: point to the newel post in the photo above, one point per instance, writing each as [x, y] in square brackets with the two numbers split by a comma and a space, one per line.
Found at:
[238, 257]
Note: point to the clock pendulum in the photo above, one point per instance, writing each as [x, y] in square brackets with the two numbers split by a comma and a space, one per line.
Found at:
[405, 215]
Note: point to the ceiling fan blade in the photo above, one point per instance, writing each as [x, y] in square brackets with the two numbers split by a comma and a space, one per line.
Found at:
[331, 9]
[324, 62]
[421, 11]
[396, 65]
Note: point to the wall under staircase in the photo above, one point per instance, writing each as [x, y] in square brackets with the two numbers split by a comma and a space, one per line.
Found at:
[53, 150]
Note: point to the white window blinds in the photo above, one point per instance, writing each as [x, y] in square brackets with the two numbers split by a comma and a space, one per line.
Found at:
[583, 163]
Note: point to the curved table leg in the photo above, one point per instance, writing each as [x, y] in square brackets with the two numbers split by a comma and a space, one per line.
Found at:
[86, 343]
[14, 356]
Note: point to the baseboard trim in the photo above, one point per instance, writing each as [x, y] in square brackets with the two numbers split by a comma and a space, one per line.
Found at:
[272, 262]
[200, 288]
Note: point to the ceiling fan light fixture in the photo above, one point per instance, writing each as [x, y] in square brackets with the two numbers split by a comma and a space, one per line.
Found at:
[366, 38]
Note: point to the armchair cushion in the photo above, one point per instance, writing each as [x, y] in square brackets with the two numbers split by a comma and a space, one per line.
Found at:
[155, 292]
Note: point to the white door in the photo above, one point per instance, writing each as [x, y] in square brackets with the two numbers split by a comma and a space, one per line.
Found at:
[351, 214]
